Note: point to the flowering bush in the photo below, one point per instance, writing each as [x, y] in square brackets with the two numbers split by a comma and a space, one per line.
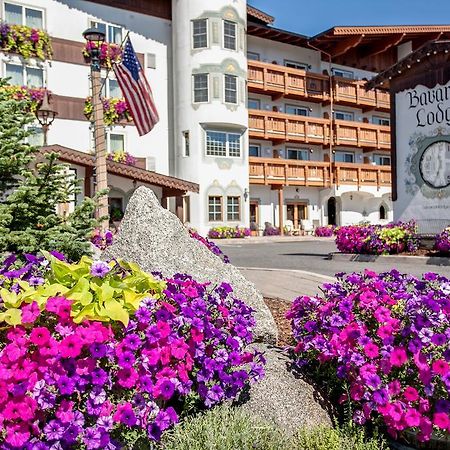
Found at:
[325, 231]
[211, 246]
[442, 241]
[109, 53]
[393, 238]
[271, 231]
[32, 95]
[123, 158]
[101, 385]
[228, 232]
[102, 239]
[115, 110]
[25, 41]
[385, 337]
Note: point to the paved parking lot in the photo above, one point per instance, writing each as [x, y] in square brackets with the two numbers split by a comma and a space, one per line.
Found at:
[310, 255]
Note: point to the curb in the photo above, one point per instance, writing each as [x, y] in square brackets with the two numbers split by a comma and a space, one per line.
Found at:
[310, 275]
[388, 259]
[269, 240]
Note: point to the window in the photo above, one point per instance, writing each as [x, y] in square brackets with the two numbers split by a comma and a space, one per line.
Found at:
[186, 143]
[201, 88]
[253, 56]
[111, 88]
[215, 209]
[230, 89]
[298, 154]
[381, 121]
[296, 110]
[344, 157]
[37, 136]
[342, 73]
[200, 33]
[23, 75]
[21, 15]
[116, 142]
[229, 35]
[344, 115]
[219, 143]
[382, 212]
[113, 33]
[295, 65]
[382, 160]
[233, 208]
[253, 103]
[254, 150]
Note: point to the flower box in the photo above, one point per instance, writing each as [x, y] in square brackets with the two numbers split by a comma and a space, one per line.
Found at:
[33, 95]
[115, 111]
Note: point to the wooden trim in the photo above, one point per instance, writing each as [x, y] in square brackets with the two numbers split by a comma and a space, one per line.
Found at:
[156, 8]
[394, 181]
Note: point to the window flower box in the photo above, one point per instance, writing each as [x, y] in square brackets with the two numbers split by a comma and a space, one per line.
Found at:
[33, 95]
[25, 41]
[115, 111]
[123, 158]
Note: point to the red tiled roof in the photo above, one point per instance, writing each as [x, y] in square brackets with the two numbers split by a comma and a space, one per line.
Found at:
[259, 15]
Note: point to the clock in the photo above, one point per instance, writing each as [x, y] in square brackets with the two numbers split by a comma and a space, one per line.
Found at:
[434, 165]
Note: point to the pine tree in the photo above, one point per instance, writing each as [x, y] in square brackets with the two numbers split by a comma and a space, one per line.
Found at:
[32, 187]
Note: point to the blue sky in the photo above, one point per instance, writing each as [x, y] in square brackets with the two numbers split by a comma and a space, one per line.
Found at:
[313, 16]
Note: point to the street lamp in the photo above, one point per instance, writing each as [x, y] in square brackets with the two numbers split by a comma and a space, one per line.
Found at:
[95, 38]
[45, 115]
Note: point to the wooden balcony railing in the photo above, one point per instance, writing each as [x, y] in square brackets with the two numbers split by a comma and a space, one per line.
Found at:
[277, 171]
[313, 130]
[275, 80]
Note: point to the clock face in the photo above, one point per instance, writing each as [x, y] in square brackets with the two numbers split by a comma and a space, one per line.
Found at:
[435, 165]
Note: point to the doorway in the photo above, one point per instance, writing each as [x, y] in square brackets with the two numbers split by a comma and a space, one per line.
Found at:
[254, 215]
[331, 211]
[296, 212]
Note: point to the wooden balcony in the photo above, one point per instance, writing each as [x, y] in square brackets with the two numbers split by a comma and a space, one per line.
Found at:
[284, 172]
[279, 127]
[279, 81]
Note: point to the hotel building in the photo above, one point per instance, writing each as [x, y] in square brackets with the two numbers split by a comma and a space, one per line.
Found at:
[257, 124]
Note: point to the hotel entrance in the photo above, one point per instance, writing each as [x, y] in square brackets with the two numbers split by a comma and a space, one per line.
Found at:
[295, 213]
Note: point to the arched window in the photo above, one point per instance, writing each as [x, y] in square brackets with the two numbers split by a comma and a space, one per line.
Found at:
[382, 212]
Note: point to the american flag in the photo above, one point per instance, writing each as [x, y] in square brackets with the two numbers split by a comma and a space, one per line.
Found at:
[136, 90]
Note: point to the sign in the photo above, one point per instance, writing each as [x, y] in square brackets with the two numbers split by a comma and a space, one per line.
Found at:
[423, 157]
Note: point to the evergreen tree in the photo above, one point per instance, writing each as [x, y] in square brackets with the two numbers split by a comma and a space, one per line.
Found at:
[32, 187]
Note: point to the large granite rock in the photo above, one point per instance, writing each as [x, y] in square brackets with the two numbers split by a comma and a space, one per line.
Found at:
[283, 398]
[154, 238]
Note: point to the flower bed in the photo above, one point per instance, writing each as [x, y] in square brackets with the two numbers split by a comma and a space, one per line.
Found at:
[228, 232]
[163, 346]
[382, 342]
[326, 231]
[393, 238]
[271, 231]
[442, 242]
[25, 41]
[109, 53]
[115, 110]
[210, 245]
[32, 95]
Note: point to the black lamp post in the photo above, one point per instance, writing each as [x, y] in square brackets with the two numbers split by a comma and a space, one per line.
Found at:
[45, 116]
[95, 38]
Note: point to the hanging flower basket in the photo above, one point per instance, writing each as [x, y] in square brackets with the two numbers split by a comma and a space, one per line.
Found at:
[25, 41]
[109, 53]
[32, 95]
[123, 158]
[115, 111]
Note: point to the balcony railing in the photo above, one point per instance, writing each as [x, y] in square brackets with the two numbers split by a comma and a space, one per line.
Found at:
[313, 130]
[275, 80]
[277, 171]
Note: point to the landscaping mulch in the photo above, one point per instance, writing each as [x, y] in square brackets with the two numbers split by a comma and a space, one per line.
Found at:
[278, 307]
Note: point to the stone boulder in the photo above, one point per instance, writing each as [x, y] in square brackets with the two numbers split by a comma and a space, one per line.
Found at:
[283, 398]
[154, 238]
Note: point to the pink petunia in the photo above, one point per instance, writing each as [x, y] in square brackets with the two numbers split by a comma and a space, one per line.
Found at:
[127, 378]
[410, 394]
[39, 336]
[371, 350]
[441, 420]
[412, 417]
[17, 435]
[398, 357]
[70, 347]
[30, 312]
[440, 367]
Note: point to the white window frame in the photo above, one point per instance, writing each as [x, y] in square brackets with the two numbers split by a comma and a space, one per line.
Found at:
[350, 113]
[335, 71]
[186, 144]
[254, 100]
[380, 118]
[193, 88]
[239, 202]
[108, 77]
[24, 71]
[235, 34]
[298, 108]
[257, 55]
[192, 34]
[258, 146]
[108, 140]
[25, 6]
[107, 25]
[297, 150]
[214, 219]
[225, 89]
[379, 157]
[295, 64]
[341, 152]
[227, 144]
